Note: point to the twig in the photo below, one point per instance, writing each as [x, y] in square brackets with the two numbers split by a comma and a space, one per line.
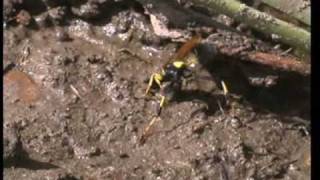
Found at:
[298, 9]
[127, 50]
[286, 52]
[75, 91]
[280, 62]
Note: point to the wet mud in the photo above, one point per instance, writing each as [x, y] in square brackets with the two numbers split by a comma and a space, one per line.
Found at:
[75, 74]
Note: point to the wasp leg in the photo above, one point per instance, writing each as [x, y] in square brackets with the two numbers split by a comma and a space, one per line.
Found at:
[225, 91]
[162, 103]
[146, 132]
[150, 83]
[155, 77]
[225, 88]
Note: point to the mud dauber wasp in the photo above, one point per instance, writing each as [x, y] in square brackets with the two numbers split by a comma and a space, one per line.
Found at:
[169, 80]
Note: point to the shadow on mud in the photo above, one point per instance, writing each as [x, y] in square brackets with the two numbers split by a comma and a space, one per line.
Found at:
[22, 160]
[289, 96]
[30, 164]
[211, 100]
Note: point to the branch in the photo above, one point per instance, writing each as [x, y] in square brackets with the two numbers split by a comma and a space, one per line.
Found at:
[265, 23]
[299, 9]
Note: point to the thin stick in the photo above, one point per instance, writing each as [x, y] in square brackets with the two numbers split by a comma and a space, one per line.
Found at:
[75, 91]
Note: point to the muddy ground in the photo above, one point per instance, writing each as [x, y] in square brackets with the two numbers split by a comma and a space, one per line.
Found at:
[75, 73]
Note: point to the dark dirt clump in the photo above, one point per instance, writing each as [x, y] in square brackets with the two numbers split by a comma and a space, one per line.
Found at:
[74, 103]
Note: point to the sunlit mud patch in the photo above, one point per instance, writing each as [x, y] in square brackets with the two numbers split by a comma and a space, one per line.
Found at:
[21, 87]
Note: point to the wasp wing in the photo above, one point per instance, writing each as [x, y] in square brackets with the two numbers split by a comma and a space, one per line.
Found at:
[185, 49]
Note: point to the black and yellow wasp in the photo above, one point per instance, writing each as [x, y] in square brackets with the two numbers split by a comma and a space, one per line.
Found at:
[169, 80]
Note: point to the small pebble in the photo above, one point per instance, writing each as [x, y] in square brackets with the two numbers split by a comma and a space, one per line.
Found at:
[235, 122]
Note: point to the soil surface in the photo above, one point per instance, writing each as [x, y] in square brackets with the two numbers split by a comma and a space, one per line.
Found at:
[75, 74]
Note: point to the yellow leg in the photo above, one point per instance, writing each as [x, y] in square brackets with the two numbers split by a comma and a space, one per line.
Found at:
[225, 91]
[146, 132]
[162, 103]
[150, 83]
[155, 77]
[225, 88]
